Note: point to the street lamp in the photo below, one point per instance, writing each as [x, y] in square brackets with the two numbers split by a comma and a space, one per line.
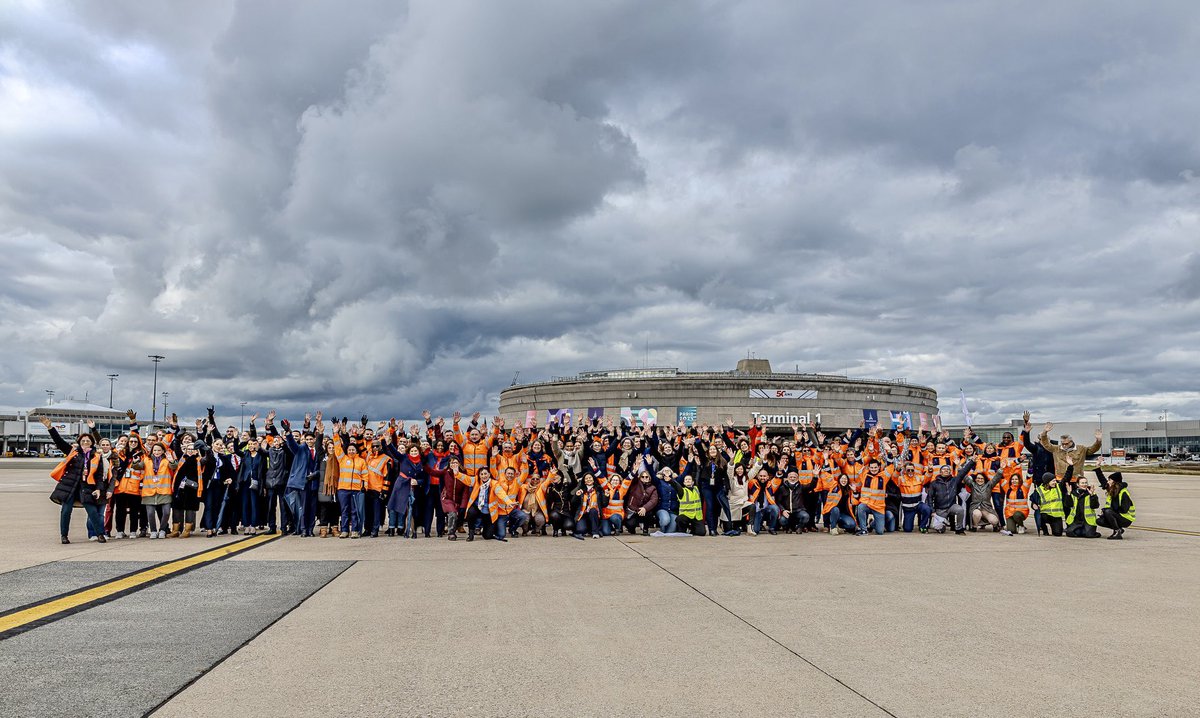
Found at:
[242, 421]
[156, 358]
[164, 396]
[1166, 441]
[111, 378]
[50, 393]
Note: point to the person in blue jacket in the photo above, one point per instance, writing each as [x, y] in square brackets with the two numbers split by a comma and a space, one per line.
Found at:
[307, 456]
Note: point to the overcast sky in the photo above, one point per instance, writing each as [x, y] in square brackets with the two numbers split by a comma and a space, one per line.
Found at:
[367, 206]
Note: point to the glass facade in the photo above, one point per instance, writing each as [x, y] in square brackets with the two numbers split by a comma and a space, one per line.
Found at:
[1151, 444]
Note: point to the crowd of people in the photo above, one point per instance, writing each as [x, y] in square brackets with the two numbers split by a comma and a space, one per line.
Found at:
[593, 478]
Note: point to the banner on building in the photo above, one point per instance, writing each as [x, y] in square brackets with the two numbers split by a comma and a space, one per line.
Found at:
[937, 422]
[558, 416]
[643, 415]
[595, 413]
[870, 417]
[783, 393]
[530, 418]
[688, 415]
[923, 421]
[900, 419]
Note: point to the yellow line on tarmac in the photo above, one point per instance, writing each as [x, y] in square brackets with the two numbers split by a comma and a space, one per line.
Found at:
[44, 612]
[1166, 531]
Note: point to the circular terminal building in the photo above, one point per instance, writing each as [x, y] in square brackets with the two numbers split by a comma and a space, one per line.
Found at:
[752, 391]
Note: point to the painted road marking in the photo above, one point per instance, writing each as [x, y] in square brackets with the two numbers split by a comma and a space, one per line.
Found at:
[26, 618]
[1166, 531]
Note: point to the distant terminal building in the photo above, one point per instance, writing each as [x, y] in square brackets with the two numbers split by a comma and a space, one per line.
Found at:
[751, 391]
[21, 429]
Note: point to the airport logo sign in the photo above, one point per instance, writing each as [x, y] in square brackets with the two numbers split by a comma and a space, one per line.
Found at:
[783, 393]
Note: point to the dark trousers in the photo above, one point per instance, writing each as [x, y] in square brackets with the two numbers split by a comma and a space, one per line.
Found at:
[483, 517]
[716, 507]
[633, 520]
[274, 505]
[1082, 530]
[371, 516]
[683, 524]
[427, 504]
[588, 523]
[813, 501]
[1052, 524]
[561, 521]
[129, 506]
[310, 507]
[249, 507]
[230, 507]
[329, 512]
[212, 506]
[1110, 519]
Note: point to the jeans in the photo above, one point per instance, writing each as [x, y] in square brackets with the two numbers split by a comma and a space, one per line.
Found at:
[295, 504]
[716, 505]
[311, 493]
[921, 512]
[666, 521]
[588, 523]
[397, 519]
[768, 511]
[273, 505]
[836, 519]
[611, 525]
[95, 519]
[794, 521]
[517, 519]
[880, 519]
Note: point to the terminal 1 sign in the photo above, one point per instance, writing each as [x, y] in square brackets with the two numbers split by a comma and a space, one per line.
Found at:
[787, 418]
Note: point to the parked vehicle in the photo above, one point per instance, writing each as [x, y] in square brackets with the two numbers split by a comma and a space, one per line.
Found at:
[53, 453]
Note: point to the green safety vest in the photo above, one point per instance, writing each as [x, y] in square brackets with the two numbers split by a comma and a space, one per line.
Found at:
[1132, 509]
[1089, 514]
[1051, 503]
[689, 504]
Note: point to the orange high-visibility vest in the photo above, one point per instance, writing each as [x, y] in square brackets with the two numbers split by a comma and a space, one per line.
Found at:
[835, 497]
[590, 503]
[157, 483]
[131, 482]
[756, 488]
[474, 453]
[616, 499]
[1017, 500]
[377, 469]
[911, 485]
[872, 492]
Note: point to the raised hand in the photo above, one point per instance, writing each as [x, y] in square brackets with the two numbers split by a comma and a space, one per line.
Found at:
[91, 424]
[45, 421]
[1099, 434]
[307, 418]
[457, 416]
[271, 416]
[318, 417]
[364, 420]
[1046, 429]
[131, 414]
[426, 415]
[475, 418]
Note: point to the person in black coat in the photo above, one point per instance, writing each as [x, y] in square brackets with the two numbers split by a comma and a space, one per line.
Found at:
[1041, 462]
[80, 483]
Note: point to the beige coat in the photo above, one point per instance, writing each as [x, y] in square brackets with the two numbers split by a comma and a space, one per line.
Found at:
[1064, 458]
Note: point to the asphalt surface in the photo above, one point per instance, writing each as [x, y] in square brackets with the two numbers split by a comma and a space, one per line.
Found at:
[36, 583]
[904, 625]
[125, 657]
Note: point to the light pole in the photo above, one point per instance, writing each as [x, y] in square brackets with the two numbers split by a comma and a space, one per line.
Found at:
[1166, 441]
[111, 378]
[164, 396]
[156, 358]
[50, 393]
[242, 421]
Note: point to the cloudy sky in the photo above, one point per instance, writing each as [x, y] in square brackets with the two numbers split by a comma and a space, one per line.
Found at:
[369, 206]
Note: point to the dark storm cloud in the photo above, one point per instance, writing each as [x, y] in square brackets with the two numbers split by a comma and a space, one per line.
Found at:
[389, 206]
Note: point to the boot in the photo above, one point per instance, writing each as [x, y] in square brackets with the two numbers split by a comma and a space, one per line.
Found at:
[323, 532]
[175, 529]
[452, 526]
[187, 531]
[335, 531]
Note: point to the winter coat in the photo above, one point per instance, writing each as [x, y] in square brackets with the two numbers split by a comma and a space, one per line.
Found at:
[668, 500]
[407, 471]
[253, 472]
[943, 491]
[790, 497]
[306, 463]
[277, 468]
[642, 496]
[81, 467]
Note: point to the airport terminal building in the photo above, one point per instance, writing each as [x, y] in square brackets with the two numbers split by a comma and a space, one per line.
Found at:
[751, 391]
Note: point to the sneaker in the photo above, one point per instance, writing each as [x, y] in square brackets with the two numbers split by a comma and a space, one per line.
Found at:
[343, 535]
[91, 538]
[751, 532]
[1006, 532]
[66, 540]
[101, 539]
[860, 532]
[162, 534]
[153, 534]
[961, 532]
[353, 534]
[924, 530]
[1021, 529]
[834, 531]
[595, 535]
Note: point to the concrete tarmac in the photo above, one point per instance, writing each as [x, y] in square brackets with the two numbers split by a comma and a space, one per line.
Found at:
[904, 625]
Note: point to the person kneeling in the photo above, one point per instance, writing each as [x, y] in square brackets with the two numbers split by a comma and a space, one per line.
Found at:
[1081, 516]
[691, 513]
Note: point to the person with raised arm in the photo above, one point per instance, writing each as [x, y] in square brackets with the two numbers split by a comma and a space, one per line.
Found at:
[1119, 510]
